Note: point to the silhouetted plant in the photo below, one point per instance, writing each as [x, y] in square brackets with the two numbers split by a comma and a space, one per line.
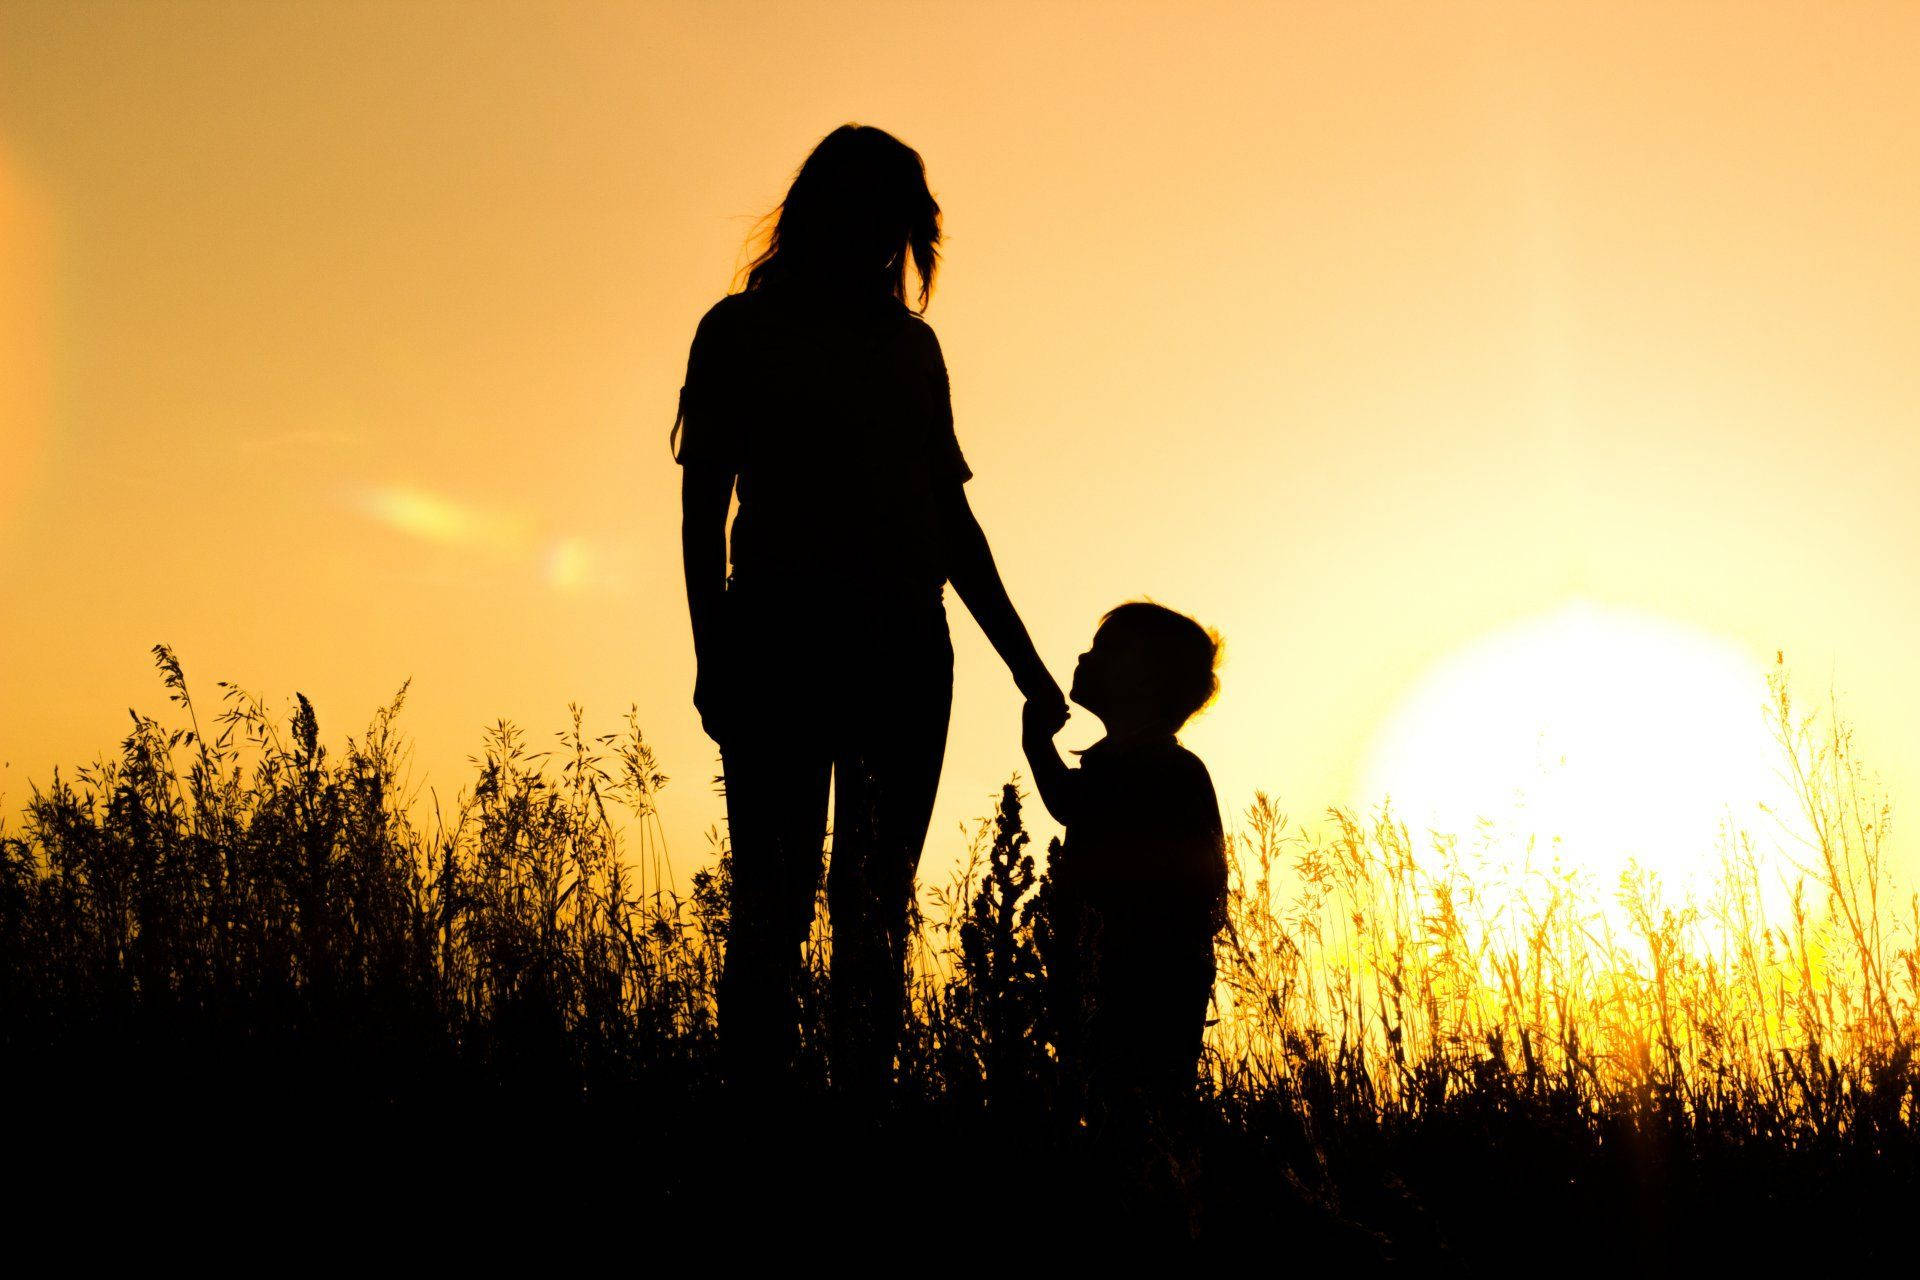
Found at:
[250, 916]
[1001, 978]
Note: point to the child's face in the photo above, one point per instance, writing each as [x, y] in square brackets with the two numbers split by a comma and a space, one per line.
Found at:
[1112, 675]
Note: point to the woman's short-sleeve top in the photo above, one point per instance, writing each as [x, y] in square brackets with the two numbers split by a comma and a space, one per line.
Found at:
[837, 423]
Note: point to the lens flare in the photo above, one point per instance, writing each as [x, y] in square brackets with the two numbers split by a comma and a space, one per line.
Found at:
[570, 564]
[434, 517]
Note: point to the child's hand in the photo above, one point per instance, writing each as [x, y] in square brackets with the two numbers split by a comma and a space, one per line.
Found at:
[1043, 717]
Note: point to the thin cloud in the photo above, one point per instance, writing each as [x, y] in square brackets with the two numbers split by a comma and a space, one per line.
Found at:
[568, 563]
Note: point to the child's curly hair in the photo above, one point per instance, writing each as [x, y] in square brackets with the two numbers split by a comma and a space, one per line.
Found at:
[1185, 656]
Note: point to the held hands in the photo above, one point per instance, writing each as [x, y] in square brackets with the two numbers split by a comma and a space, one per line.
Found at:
[1044, 715]
[1041, 719]
[1046, 710]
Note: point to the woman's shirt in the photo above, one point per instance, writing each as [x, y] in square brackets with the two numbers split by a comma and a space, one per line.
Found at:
[836, 420]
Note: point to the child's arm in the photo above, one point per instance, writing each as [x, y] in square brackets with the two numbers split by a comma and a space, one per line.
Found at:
[1056, 783]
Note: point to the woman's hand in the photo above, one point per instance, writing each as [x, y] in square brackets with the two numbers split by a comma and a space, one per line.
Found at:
[1040, 720]
[705, 491]
[1045, 703]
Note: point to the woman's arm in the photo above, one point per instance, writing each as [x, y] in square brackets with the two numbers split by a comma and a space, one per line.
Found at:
[705, 491]
[971, 569]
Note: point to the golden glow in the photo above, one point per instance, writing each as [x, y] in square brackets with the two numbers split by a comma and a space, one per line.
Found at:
[26, 324]
[340, 346]
[1600, 733]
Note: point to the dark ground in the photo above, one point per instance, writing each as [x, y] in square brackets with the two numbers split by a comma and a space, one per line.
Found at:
[241, 1150]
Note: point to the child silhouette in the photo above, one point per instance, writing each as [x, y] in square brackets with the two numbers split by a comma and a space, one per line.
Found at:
[1139, 884]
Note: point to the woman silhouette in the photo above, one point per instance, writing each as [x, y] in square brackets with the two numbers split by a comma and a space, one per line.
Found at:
[820, 400]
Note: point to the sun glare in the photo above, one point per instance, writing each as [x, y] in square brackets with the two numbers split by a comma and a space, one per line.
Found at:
[1603, 734]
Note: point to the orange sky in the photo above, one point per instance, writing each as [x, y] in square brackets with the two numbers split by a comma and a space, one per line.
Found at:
[339, 344]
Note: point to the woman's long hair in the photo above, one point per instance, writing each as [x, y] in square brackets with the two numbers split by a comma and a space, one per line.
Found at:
[859, 206]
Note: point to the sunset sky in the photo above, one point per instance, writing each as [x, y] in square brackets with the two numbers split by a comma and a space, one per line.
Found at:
[339, 344]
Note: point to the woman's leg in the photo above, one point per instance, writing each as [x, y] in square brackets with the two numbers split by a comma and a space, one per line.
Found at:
[885, 777]
[776, 817]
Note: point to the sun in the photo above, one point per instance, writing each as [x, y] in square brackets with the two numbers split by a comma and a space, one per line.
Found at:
[1603, 733]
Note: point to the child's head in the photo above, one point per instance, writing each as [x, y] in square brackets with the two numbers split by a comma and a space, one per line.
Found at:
[1149, 668]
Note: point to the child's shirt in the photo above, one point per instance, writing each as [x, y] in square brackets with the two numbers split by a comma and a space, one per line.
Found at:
[1140, 886]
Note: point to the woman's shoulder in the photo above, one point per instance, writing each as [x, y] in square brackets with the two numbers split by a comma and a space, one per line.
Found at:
[732, 311]
[921, 335]
[742, 328]
[721, 324]
[777, 308]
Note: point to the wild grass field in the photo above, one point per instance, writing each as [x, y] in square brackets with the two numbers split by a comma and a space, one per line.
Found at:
[231, 959]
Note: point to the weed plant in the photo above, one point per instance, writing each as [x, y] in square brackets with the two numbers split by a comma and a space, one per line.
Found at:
[1435, 1050]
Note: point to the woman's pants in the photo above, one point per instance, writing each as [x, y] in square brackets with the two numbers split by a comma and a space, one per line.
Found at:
[860, 699]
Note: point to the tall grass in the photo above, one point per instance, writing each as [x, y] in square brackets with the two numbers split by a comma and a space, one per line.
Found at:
[1786, 992]
[1403, 1027]
[239, 888]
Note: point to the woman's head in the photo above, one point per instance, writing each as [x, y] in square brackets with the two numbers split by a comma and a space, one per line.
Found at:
[1149, 668]
[859, 209]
